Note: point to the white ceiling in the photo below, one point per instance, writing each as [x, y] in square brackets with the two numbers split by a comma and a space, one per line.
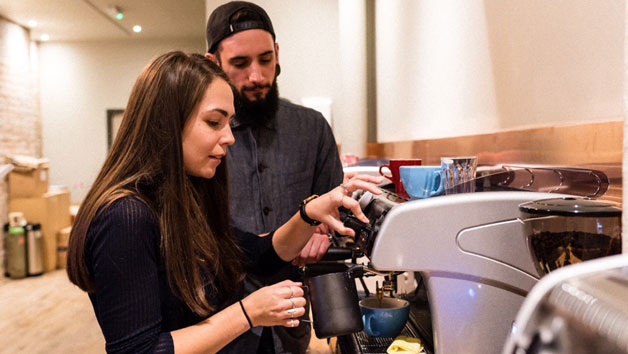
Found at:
[78, 20]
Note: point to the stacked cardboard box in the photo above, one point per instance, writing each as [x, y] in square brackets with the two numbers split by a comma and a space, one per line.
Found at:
[29, 194]
[29, 181]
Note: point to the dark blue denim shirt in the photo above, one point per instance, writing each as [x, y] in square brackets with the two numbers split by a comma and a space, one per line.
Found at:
[273, 168]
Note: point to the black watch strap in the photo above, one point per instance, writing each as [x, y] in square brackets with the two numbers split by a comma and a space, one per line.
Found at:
[304, 216]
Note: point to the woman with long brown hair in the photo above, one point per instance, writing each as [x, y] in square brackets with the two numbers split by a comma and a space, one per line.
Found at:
[152, 243]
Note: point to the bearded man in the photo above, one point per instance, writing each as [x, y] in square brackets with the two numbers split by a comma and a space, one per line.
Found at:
[283, 152]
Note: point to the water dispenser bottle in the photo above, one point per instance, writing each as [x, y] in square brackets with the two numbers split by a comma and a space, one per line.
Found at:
[16, 246]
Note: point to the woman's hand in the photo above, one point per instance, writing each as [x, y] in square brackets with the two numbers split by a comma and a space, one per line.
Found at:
[280, 304]
[291, 238]
[325, 207]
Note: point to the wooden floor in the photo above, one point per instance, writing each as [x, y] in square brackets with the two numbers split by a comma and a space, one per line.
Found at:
[47, 314]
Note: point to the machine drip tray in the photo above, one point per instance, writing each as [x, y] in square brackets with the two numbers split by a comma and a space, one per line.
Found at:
[364, 344]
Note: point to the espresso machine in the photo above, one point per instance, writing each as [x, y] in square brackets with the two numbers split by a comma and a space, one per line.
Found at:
[469, 252]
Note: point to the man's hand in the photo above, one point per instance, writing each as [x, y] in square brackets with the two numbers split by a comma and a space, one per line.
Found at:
[315, 248]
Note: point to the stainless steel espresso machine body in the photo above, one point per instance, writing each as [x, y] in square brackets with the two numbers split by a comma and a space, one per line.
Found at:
[473, 255]
[469, 252]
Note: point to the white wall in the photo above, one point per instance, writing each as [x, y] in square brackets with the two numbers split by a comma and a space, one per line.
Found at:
[444, 68]
[450, 68]
[79, 82]
[433, 69]
[351, 108]
[307, 34]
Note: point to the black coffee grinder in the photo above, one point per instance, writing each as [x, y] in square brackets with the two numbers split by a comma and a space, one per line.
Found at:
[564, 231]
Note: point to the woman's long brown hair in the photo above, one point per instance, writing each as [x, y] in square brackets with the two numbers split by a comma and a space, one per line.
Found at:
[146, 161]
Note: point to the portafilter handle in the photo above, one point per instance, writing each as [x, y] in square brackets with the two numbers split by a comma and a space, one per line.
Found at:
[337, 254]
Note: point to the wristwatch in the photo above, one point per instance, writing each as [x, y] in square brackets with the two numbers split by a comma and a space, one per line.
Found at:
[304, 216]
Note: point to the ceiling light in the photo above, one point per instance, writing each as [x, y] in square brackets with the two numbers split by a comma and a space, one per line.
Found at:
[137, 28]
[116, 12]
[32, 23]
[44, 37]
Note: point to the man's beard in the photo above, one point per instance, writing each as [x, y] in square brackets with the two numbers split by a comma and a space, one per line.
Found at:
[259, 112]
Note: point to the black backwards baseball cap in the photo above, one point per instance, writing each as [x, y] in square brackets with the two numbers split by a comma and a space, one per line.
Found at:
[225, 21]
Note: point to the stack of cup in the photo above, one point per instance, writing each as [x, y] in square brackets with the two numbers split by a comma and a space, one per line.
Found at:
[459, 174]
[454, 175]
[393, 166]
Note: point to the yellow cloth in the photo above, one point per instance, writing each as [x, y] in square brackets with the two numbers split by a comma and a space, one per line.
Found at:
[405, 345]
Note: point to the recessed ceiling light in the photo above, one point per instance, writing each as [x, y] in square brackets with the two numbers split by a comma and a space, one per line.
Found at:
[44, 37]
[137, 28]
[32, 23]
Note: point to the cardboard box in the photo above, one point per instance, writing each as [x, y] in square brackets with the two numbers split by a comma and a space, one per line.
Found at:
[52, 211]
[26, 182]
[63, 239]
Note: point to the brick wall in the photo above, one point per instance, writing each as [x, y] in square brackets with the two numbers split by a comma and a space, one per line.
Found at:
[20, 119]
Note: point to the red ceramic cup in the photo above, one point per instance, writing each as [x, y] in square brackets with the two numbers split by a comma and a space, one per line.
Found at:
[393, 172]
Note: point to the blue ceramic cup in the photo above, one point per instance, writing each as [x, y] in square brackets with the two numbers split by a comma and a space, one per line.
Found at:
[422, 181]
[386, 319]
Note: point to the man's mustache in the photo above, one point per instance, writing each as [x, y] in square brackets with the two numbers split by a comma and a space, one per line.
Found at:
[254, 87]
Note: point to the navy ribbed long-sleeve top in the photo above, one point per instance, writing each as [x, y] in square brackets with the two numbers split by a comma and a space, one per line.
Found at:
[134, 305]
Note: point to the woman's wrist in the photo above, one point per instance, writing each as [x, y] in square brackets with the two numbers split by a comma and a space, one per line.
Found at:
[303, 211]
[246, 315]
